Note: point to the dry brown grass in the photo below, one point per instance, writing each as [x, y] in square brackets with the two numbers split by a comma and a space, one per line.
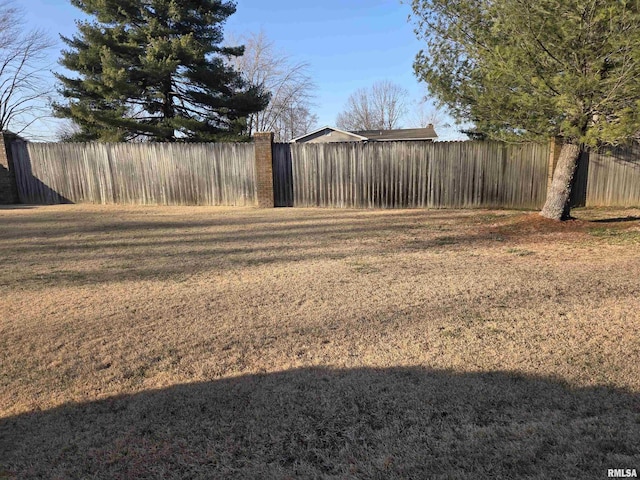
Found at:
[197, 342]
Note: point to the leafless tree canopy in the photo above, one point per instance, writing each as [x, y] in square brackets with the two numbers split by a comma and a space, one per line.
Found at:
[23, 91]
[66, 130]
[423, 115]
[380, 107]
[288, 114]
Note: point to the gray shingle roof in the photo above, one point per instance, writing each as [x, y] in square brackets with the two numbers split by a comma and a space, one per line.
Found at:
[426, 133]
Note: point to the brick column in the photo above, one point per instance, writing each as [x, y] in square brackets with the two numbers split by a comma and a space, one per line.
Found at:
[555, 145]
[264, 169]
[8, 188]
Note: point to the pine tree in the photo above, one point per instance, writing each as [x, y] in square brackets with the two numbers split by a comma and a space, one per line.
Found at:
[529, 70]
[155, 70]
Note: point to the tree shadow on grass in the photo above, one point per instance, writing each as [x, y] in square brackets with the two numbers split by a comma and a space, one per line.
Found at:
[323, 423]
[617, 220]
[161, 250]
[69, 222]
[155, 260]
[16, 206]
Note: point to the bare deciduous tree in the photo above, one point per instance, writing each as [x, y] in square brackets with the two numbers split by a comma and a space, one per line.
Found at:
[295, 122]
[380, 107]
[66, 130]
[290, 85]
[24, 93]
[424, 114]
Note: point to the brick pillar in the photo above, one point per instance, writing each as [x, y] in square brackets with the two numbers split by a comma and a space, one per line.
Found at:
[264, 169]
[555, 145]
[8, 188]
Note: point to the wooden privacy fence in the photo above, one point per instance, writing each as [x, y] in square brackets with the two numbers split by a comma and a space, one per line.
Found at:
[609, 177]
[130, 173]
[411, 175]
[355, 175]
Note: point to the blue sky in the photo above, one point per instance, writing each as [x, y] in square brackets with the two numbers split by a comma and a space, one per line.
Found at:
[348, 44]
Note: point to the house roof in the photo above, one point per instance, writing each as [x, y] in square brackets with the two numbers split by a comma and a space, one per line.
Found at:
[427, 133]
[327, 127]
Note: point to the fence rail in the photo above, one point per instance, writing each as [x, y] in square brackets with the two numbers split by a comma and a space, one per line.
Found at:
[126, 173]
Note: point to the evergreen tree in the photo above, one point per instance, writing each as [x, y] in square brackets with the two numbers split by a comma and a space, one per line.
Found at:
[155, 70]
[525, 70]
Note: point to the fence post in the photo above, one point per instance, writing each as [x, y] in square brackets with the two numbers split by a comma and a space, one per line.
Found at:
[8, 186]
[555, 145]
[264, 168]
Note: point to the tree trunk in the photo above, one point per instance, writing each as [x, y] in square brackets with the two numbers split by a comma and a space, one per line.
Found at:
[557, 206]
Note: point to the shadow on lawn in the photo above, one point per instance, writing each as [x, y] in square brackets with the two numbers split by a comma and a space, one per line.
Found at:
[178, 257]
[67, 223]
[322, 423]
[17, 206]
[103, 250]
[161, 250]
[617, 220]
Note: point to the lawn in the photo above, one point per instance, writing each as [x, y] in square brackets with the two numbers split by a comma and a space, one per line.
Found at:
[200, 342]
